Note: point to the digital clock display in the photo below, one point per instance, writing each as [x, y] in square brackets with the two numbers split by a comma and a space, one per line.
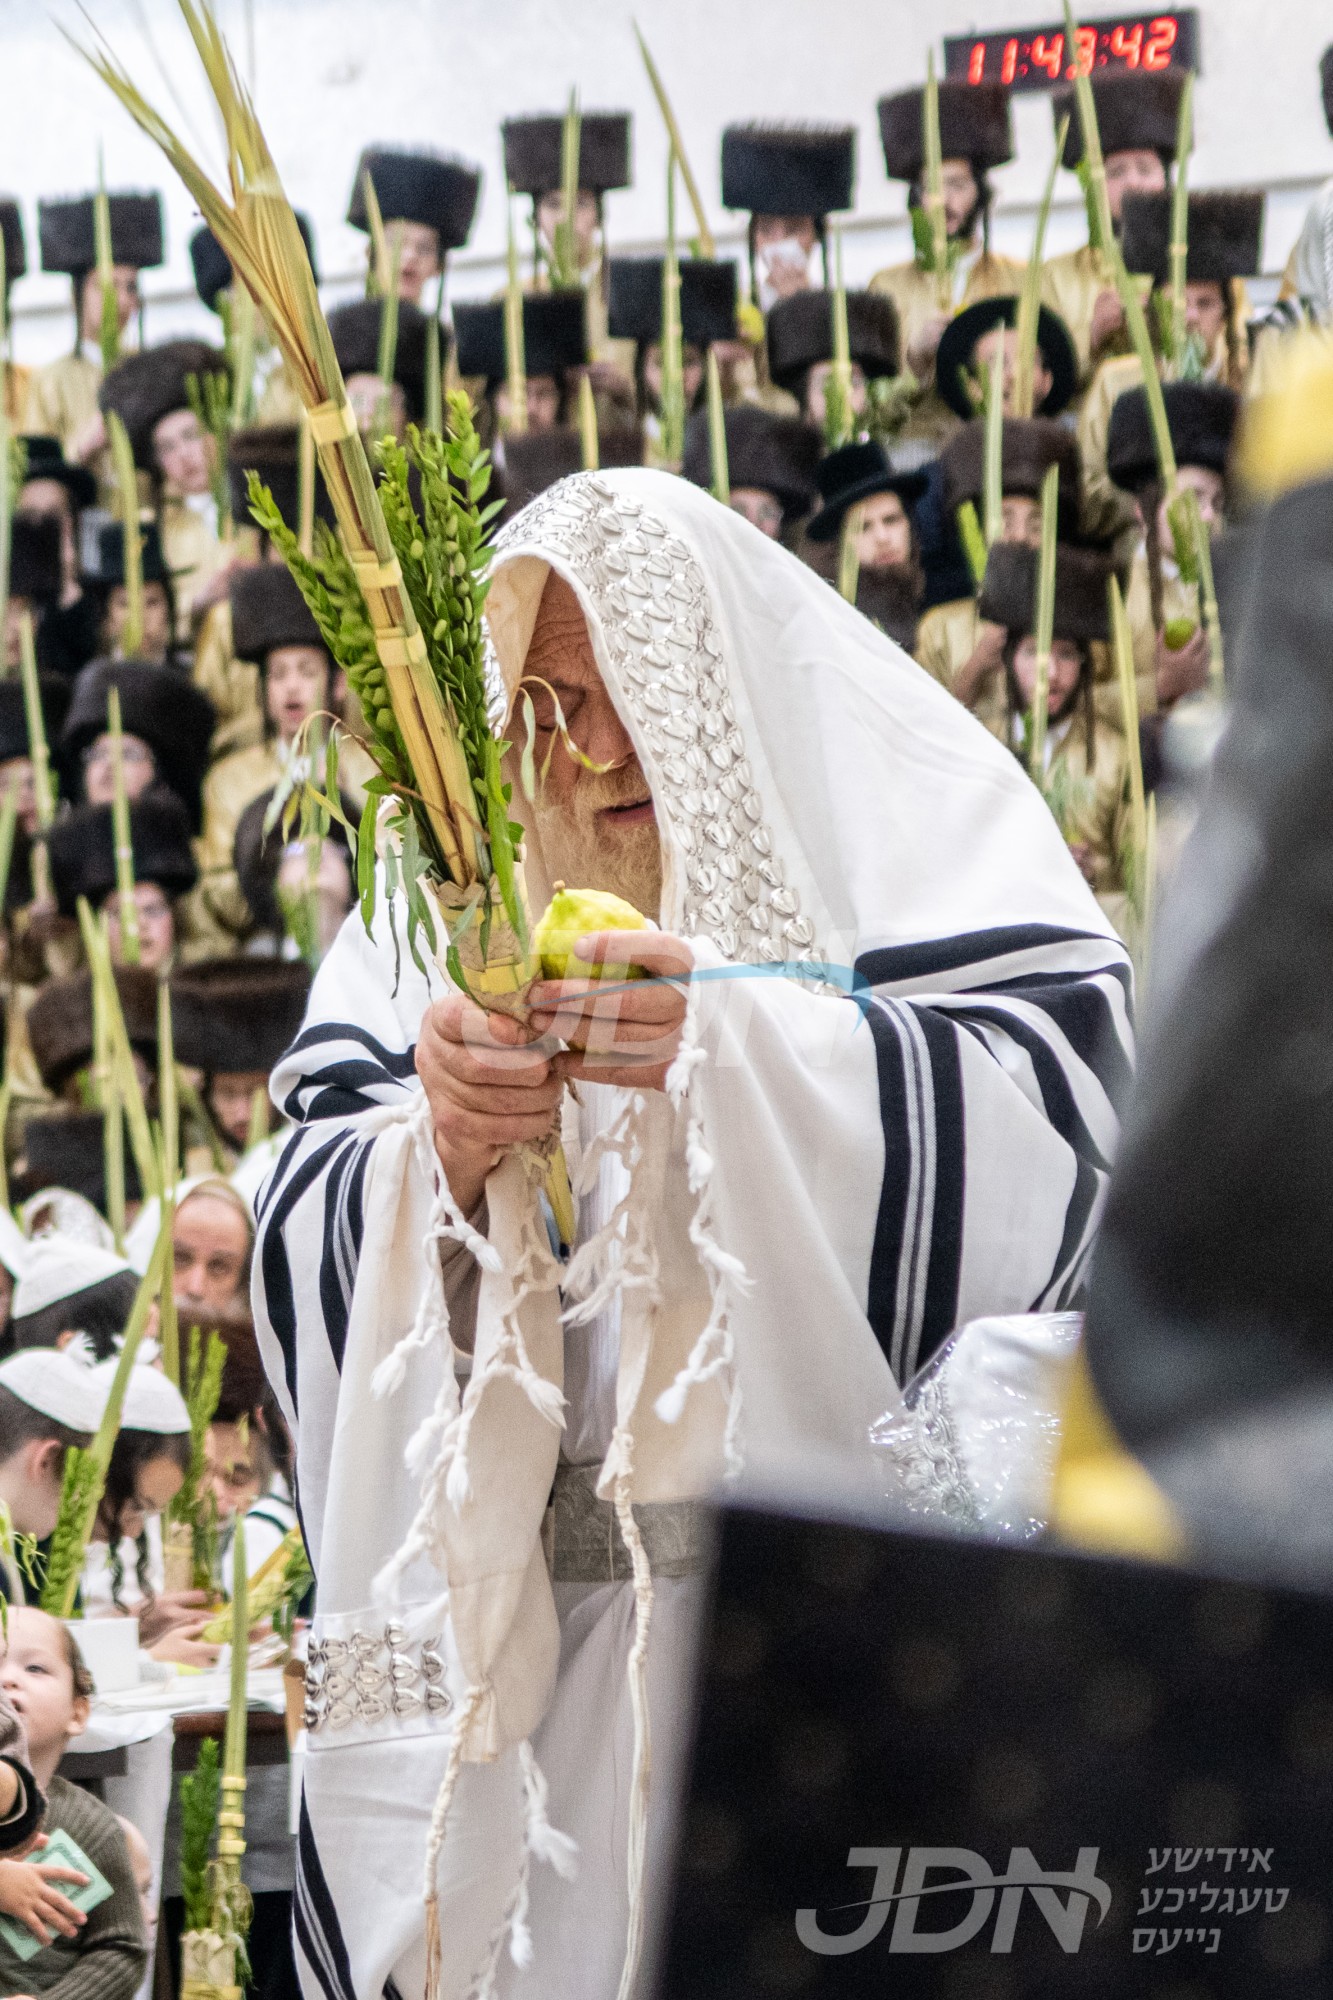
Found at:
[1041, 58]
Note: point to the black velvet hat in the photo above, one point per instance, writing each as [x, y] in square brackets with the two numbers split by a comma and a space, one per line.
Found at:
[108, 549]
[853, 473]
[953, 358]
[789, 169]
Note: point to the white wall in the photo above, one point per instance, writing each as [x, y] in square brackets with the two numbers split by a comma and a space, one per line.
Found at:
[332, 74]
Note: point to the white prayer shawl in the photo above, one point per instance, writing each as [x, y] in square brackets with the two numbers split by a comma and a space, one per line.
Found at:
[830, 1184]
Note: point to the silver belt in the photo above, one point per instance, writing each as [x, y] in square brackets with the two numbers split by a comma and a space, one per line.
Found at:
[584, 1543]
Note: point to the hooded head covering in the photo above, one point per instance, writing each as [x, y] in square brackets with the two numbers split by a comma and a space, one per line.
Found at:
[432, 189]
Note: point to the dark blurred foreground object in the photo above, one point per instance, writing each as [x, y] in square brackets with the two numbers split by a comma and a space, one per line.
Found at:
[1210, 1326]
[1137, 1758]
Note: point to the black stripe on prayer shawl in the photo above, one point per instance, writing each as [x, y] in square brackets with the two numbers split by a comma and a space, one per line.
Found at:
[351, 1083]
[275, 1270]
[343, 1219]
[1069, 1023]
[315, 1920]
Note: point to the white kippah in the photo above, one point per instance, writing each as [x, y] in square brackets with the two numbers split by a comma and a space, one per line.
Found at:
[58, 1385]
[152, 1400]
[57, 1267]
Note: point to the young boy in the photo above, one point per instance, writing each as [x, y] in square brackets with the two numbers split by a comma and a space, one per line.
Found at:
[100, 1954]
[48, 1402]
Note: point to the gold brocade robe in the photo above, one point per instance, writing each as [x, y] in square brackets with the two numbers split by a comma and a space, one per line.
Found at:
[233, 784]
[1071, 286]
[1090, 802]
[16, 387]
[1106, 510]
[62, 401]
[193, 554]
[231, 685]
[946, 639]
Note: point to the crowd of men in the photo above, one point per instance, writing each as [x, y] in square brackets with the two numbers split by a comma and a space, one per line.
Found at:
[225, 685]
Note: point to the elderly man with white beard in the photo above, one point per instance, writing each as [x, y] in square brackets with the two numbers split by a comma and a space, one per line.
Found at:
[866, 1094]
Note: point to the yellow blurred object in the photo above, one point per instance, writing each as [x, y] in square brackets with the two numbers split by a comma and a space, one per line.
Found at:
[749, 323]
[1286, 437]
[1103, 1499]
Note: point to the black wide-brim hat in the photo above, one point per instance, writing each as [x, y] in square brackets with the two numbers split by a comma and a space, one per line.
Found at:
[1138, 111]
[435, 190]
[60, 1021]
[268, 610]
[44, 458]
[212, 266]
[789, 169]
[82, 847]
[554, 336]
[708, 292]
[160, 705]
[356, 342]
[800, 335]
[274, 452]
[954, 355]
[1201, 417]
[765, 452]
[534, 152]
[66, 232]
[975, 125]
[233, 1015]
[150, 385]
[1224, 235]
[52, 692]
[856, 472]
[1009, 592]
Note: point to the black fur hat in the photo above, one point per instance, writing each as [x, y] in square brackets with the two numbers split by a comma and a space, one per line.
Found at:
[1137, 111]
[235, 1014]
[34, 557]
[953, 357]
[274, 452]
[800, 333]
[160, 705]
[44, 458]
[108, 550]
[268, 610]
[534, 147]
[60, 1020]
[1009, 593]
[82, 847]
[1029, 446]
[1225, 235]
[145, 387]
[356, 342]
[53, 692]
[707, 299]
[1326, 85]
[1201, 417]
[772, 454]
[789, 169]
[538, 459]
[554, 335]
[974, 125]
[429, 188]
[212, 265]
[68, 1150]
[11, 229]
[68, 240]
